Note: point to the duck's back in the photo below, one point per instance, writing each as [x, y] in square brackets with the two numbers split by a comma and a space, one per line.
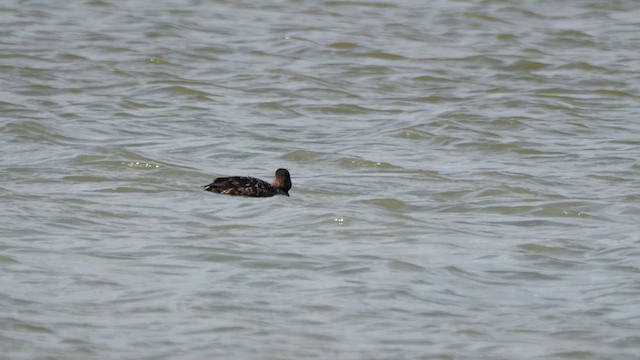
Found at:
[243, 186]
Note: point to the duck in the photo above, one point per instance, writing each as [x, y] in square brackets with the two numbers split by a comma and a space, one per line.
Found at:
[252, 187]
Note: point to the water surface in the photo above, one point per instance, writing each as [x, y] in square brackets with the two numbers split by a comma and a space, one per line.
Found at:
[465, 180]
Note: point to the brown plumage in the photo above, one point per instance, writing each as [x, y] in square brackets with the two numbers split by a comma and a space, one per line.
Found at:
[249, 186]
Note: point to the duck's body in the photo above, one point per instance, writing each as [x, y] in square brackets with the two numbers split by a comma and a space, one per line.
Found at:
[250, 186]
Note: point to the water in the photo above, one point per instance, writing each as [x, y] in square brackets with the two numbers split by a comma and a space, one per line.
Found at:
[465, 180]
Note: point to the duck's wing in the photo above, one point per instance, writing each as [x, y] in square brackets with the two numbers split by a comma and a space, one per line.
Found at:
[241, 185]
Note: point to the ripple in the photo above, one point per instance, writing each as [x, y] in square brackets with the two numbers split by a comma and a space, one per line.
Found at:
[405, 266]
[583, 66]
[466, 170]
[181, 90]
[372, 4]
[343, 45]
[158, 61]
[524, 275]
[28, 327]
[119, 164]
[8, 260]
[436, 79]
[349, 109]
[526, 65]
[34, 131]
[303, 156]
[360, 163]
[415, 134]
[389, 204]
[279, 107]
[555, 211]
[382, 55]
[555, 250]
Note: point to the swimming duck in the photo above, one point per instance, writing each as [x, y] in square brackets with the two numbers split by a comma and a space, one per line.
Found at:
[249, 186]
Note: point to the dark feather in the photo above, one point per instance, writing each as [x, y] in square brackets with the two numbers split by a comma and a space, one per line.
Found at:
[249, 186]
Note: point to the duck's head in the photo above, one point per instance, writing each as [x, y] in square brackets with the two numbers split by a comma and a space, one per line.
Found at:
[282, 180]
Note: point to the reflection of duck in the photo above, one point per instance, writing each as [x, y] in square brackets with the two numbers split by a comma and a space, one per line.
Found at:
[249, 186]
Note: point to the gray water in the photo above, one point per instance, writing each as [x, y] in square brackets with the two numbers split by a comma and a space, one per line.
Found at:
[466, 179]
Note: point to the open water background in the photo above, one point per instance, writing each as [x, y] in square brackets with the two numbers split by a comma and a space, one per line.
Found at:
[466, 179]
